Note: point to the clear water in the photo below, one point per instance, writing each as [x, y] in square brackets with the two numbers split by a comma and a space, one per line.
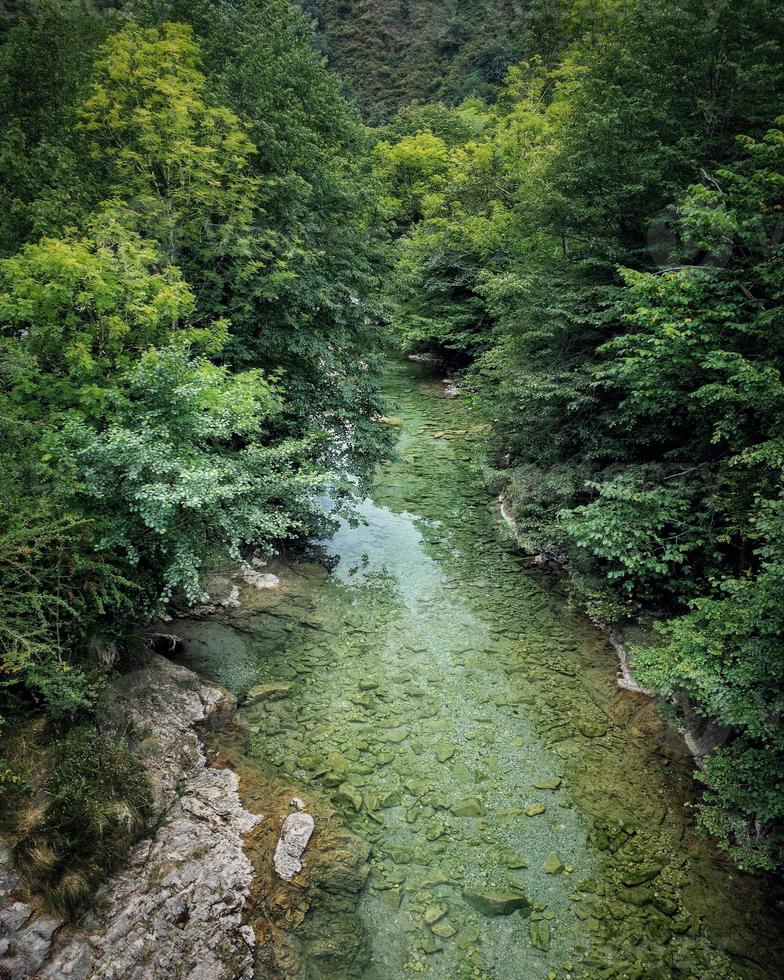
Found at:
[439, 689]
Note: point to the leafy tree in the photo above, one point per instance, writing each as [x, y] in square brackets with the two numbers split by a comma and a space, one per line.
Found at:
[76, 311]
[188, 464]
[412, 170]
[727, 655]
[181, 163]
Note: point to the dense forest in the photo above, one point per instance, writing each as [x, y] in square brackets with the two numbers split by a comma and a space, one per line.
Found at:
[394, 52]
[205, 251]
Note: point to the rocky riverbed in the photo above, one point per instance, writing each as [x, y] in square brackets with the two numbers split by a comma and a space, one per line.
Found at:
[438, 699]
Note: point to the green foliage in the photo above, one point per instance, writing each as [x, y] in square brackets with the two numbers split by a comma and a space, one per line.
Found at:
[727, 655]
[47, 180]
[411, 170]
[53, 587]
[96, 802]
[392, 52]
[644, 538]
[304, 298]
[180, 162]
[186, 334]
[187, 464]
[78, 310]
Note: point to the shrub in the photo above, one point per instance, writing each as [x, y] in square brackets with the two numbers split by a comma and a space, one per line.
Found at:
[98, 801]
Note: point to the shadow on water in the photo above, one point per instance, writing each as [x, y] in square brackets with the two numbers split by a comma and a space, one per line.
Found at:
[487, 802]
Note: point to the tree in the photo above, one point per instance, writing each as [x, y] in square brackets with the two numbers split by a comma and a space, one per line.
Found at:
[187, 465]
[76, 311]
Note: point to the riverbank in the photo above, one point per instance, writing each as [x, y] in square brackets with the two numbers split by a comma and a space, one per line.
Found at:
[178, 906]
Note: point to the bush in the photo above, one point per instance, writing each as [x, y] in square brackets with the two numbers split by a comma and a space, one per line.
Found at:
[98, 801]
[727, 655]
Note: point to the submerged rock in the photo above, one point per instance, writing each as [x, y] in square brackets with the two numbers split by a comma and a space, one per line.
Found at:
[349, 794]
[553, 783]
[443, 929]
[540, 935]
[497, 901]
[468, 808]
[295, 834]
[433, 913]
[553, 864]
[269, 692]
[444, 751]
[259, 580]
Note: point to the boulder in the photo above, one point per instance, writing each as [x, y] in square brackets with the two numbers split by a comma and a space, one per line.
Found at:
[497, 901]
[296, 832]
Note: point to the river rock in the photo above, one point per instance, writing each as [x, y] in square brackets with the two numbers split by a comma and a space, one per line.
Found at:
[639, 895]
[259, 580]
[296, 832]
[638, 876]
[497, 901]
[468, 808]
[269, 692]
[444, 751]
[180, 902]
[443, 929]
[540, 935]
[553, 864]
[433, 913]
[349, 794]
[553, 783]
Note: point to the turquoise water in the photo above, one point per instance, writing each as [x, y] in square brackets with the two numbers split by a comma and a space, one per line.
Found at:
[441, 696]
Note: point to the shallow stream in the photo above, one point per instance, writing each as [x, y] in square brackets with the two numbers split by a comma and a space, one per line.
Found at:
[418, 678]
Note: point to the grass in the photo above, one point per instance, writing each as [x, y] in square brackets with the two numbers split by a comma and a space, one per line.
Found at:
[79, 802]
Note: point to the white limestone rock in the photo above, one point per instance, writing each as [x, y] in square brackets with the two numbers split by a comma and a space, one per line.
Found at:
[297, 831]
[177, 909]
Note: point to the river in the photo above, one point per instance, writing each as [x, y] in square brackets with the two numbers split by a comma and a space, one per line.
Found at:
[437, 697]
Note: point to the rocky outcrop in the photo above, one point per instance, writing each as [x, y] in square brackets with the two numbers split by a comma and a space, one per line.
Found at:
[223, 590]
[26, 937]
[178, 907]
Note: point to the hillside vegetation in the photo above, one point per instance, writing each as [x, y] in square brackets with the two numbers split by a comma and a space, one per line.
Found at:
[390, 52]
